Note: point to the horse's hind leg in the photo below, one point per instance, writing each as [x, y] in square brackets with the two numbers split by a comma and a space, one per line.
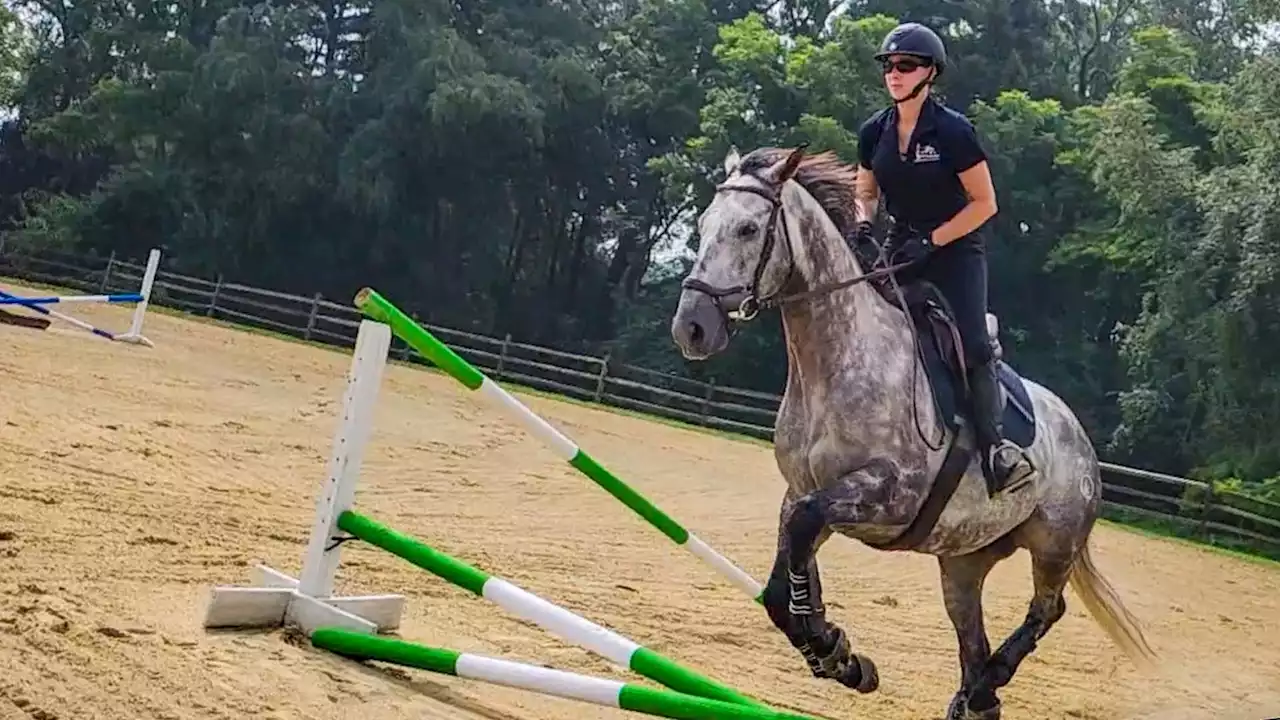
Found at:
[962, 581]
[1052, 553]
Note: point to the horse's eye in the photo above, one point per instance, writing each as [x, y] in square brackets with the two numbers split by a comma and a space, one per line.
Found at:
[748, 229]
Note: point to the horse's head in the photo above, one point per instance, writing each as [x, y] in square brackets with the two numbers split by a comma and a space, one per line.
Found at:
[744, 252]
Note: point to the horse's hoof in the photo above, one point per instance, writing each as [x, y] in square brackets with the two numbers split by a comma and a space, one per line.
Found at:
[959, 710]
[868, 677]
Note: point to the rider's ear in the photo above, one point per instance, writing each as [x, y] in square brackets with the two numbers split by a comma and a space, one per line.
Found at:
[786, 167]
[731, 160]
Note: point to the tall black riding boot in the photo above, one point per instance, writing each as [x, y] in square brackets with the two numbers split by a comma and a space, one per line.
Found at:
[1004, 464]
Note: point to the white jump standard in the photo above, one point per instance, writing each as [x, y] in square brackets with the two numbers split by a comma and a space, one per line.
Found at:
[133, 335]
[278, 599]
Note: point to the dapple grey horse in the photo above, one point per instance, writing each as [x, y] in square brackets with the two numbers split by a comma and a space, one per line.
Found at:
[853, 437]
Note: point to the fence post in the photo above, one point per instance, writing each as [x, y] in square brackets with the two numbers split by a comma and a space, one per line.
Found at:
[604, 374]
[502, 357]
[1202, 529]
[106, 274]
[311, 319]
[213, 300]
[404, 347]
[706, 400]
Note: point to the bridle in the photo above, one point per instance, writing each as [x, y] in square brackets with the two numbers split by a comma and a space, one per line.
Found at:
[752, 303]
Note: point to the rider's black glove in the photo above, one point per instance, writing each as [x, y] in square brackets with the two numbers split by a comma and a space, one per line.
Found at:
[860, 234]
[908, 245]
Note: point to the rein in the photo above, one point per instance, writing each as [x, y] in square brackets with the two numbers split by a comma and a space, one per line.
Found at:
[751, 303]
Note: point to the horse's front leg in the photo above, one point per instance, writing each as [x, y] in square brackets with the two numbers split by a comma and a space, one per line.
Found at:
[793, 595]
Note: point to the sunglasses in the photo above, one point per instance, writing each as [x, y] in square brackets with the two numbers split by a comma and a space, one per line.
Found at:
[904, 66]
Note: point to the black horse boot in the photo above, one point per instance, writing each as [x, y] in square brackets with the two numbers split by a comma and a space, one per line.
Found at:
[1004, 464]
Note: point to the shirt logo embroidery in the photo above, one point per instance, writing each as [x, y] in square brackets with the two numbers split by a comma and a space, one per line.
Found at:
[926, 154]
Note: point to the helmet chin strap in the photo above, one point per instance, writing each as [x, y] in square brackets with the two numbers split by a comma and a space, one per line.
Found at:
[919, 88]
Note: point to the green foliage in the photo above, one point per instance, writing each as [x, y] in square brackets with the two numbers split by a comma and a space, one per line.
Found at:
[535, 168]
[16, 49]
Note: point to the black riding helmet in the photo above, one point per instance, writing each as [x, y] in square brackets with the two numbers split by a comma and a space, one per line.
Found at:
[919, 41]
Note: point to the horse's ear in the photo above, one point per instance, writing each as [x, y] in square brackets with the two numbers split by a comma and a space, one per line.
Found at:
[731, 161]
[786, 167]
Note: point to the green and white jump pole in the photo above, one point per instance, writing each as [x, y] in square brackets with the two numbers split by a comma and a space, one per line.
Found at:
[599, 691]
[417, 337]
[552, 618]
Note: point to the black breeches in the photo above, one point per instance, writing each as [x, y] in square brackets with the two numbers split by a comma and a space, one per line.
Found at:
[959, 272]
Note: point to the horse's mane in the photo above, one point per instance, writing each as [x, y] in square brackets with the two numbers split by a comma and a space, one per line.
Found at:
[827, 178]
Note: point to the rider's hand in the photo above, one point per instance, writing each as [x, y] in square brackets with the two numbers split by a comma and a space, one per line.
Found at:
[861, 234]
[913, 247]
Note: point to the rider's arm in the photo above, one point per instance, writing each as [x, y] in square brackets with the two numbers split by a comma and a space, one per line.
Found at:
[866, 191]
[970, 162]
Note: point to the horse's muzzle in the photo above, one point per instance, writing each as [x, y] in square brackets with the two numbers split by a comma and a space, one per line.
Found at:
[699, 327]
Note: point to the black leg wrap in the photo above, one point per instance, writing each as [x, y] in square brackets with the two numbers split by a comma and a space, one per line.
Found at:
[830, 656]
[789, 600]
[792, 609]
[775, 599]
[826, 650]
[793, 599]
[803, 529]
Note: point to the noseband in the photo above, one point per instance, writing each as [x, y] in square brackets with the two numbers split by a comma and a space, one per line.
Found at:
[752, 303]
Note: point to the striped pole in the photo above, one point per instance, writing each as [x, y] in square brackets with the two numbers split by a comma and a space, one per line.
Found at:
[417, 337]
[527, 606]
[599, 691]
[7, 299]
[54, 299]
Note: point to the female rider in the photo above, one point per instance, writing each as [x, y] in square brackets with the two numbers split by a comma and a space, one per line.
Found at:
[926, 159]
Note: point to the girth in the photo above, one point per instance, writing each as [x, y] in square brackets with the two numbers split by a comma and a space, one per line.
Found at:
[944, 487]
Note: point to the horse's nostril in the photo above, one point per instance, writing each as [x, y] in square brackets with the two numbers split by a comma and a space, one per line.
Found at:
[696, 333]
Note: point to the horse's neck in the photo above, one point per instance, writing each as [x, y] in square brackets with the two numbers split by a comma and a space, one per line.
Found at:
[846, 338]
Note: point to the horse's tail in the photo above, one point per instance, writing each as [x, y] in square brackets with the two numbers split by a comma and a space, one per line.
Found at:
[1108, 611]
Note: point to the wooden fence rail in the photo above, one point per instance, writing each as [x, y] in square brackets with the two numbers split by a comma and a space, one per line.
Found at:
[1192, 506]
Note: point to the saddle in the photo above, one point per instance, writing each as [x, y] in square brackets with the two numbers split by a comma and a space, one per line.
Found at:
[941, 353]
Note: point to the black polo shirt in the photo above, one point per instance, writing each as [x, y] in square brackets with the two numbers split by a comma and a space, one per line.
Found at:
[922, 187]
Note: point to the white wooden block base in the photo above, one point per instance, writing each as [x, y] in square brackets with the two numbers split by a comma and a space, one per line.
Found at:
[274, 601]
[135, 339]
